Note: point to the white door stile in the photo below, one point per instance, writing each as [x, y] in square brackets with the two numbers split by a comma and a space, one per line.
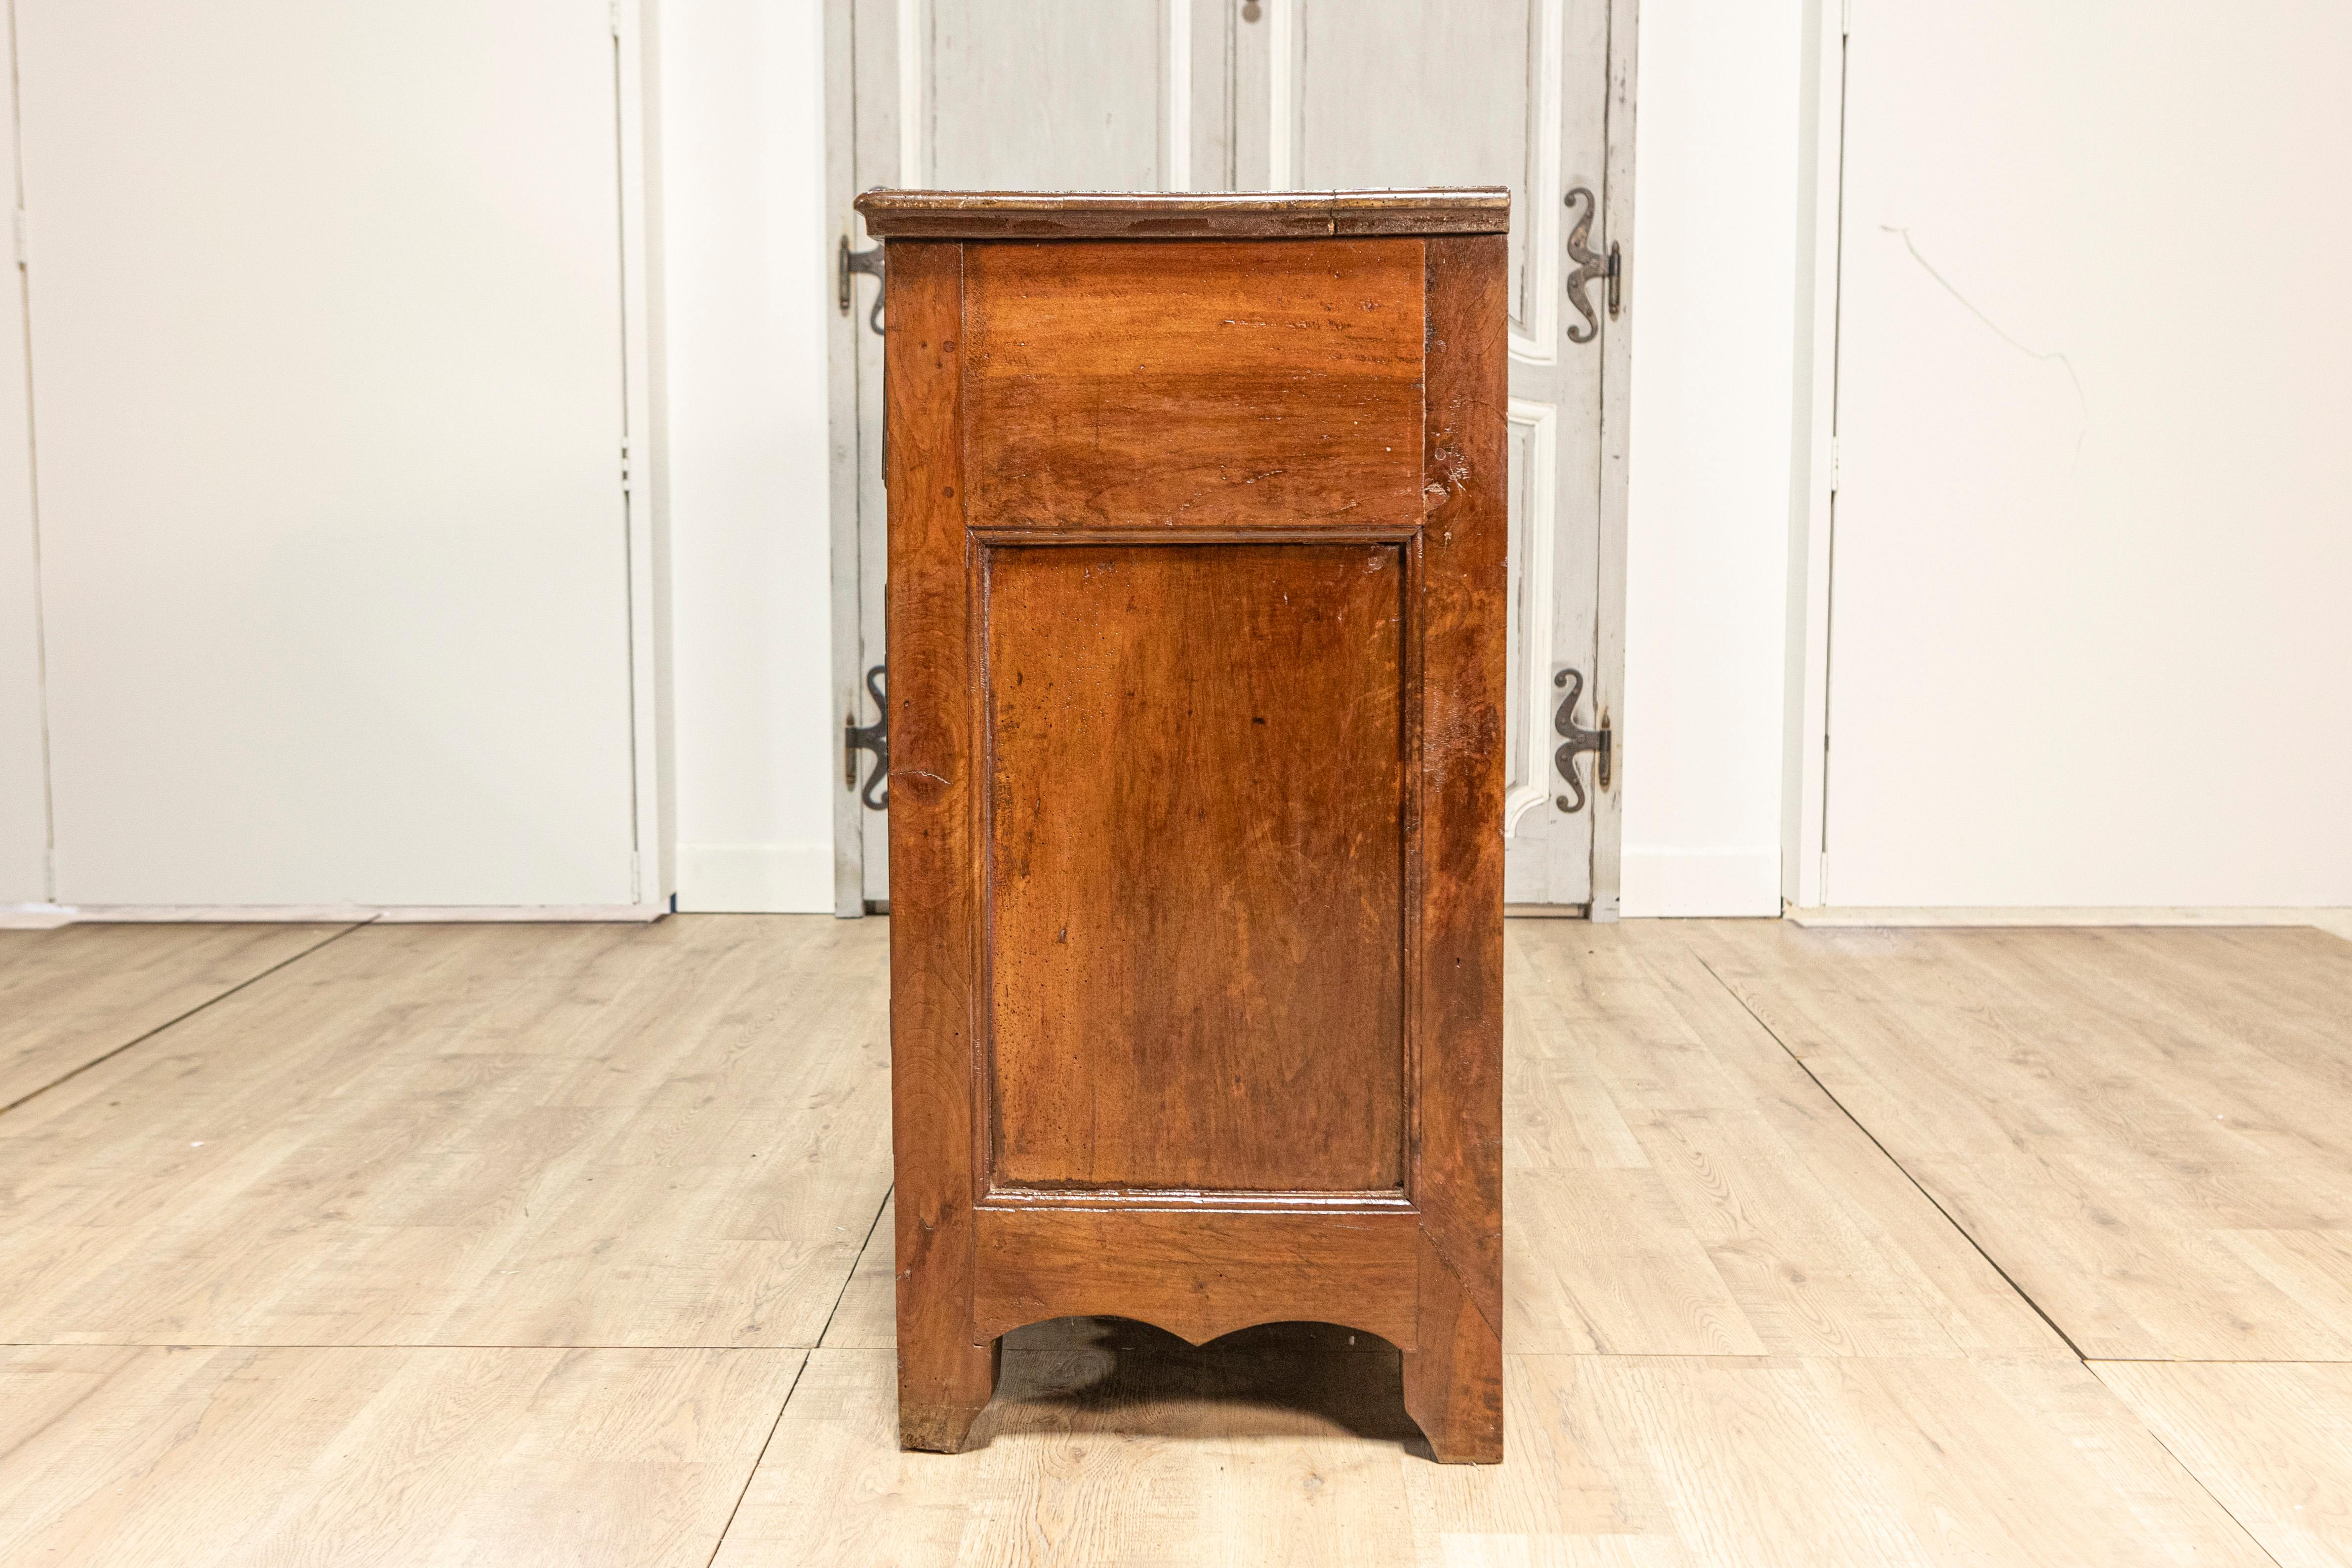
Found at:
[1616, 406]
[1814, 501]
[842, 464]
[644, 466]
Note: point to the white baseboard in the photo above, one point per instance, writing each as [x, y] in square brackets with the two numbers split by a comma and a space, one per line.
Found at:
[1698, 883]
[45, 916]
[2338, 921]
[755, 879]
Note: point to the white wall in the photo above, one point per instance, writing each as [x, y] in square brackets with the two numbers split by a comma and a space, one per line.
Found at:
[747, 287]
[1718, 210]
[2090, 642]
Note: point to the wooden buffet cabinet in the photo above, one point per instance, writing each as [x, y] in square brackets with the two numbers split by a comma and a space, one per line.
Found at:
[1196, 661]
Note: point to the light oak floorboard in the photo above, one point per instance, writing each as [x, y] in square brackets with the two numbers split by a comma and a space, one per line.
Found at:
[439, 1459]
[1741, 1334]
[2272, 1441]
[475, 1135]
[2150, 1130]
[1674, 1184]
[867, 1317]
[70, 995]
[1286, 1446]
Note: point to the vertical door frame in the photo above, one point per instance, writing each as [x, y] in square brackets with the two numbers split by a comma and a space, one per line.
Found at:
[24, 506]
[644, 468]
[1813, 468]
[841, 463]
[1608, 805]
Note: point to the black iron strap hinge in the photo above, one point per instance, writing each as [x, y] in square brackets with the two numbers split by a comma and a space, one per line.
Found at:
[874, 738]
[853, 262]
[1589, 264]
[1575, 737]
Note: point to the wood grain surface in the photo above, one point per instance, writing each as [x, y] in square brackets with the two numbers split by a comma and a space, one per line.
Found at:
[1197, 1273]
[2272, 1441]
[1677, 1185]
[1457, 998]
[1200, 579]
[2146, 1129]
[1194, 384]
[1785, 1354]
[1182, 215]
[209, 1458]
[1196, 854]
[1286, 1445]
[664, 1135]
[934, 995]
[71, 995]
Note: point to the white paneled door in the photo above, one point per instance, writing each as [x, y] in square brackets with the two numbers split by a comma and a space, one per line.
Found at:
[326, 309]
[1218, 95]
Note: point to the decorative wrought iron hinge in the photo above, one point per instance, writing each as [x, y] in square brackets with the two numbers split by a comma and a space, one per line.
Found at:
[1576, 738]
[1589, 264]
[868, 262]
[874, 738]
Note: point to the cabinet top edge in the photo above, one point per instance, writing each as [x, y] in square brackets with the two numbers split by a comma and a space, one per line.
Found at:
[1183, 214]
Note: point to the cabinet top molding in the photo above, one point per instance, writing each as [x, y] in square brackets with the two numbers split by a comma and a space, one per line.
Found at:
[1183, 214]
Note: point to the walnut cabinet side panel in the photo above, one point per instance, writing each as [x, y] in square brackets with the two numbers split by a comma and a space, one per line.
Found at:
[1197, 603]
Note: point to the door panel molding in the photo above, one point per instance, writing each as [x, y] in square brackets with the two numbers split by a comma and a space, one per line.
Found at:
[1176, 129]
[1534, 436]
[1285, 45]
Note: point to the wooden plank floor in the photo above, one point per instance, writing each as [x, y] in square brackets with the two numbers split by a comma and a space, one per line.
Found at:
[518, 1244]
[2274, 1442]
[2150, 1130]
[1288, 1446]
[583, 1136]
[70, 995]
[145, 1456]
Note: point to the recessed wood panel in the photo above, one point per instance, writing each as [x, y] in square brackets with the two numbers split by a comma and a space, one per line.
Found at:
[1195, 847]
[1193, 383]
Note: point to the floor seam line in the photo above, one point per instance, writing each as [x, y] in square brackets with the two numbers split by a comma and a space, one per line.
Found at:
[761, 1458]
[2186, 1470]
[2218, 1361]
[873, 1226]
[1829, 1094]
[182, 1018]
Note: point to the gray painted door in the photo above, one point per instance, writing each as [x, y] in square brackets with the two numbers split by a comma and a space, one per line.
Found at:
[1214, 95]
